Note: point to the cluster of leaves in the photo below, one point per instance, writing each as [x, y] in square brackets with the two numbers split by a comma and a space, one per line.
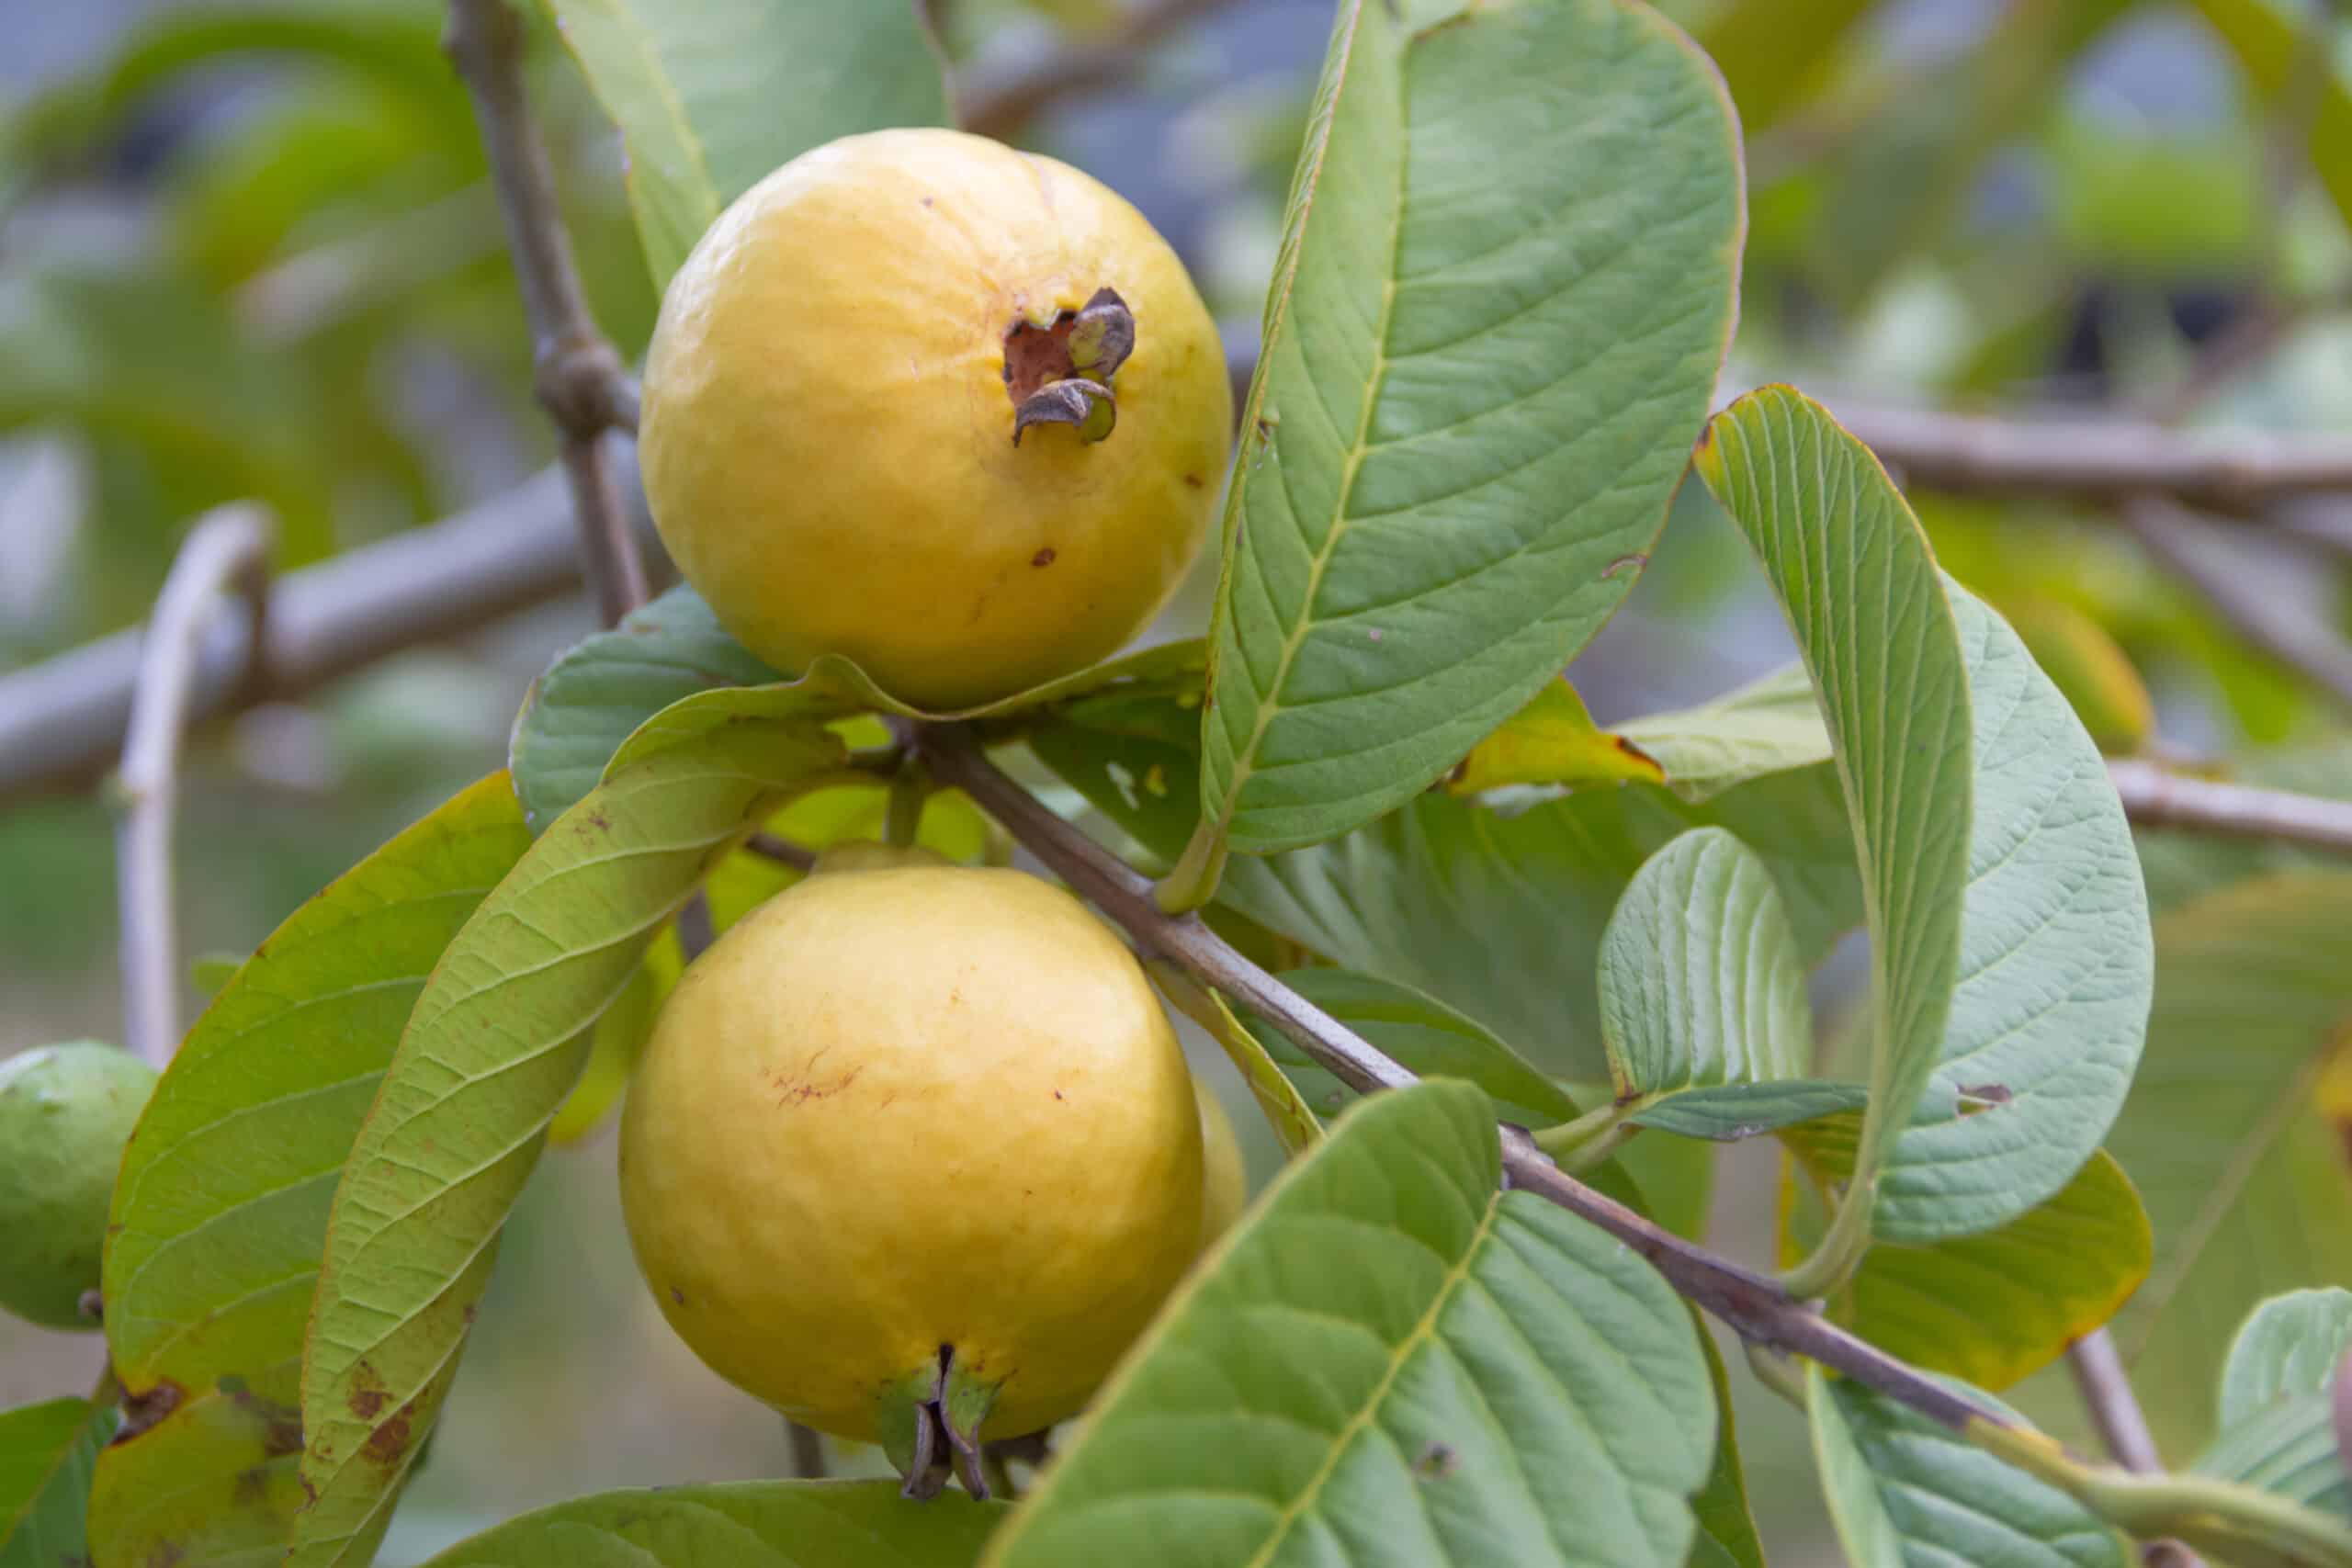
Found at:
[1505, 291]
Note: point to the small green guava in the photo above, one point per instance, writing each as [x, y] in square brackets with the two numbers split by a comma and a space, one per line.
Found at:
[65, 1113]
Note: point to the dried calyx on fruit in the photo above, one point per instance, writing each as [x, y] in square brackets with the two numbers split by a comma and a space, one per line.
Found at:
[1060, 373]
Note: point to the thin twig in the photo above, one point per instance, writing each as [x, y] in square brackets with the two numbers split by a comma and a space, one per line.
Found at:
[226, 552]
[2096, 459]
[62, 721]
[1752, 1305]
[2155, 796]
[2115, 1411]
[807, 1451]
[2169, 533]
[580, 378]
[783, 850]
[1001, 106]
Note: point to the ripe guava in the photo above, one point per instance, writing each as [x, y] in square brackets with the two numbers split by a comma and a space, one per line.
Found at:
[952, 410]
[65, 1113]
[913, 1143]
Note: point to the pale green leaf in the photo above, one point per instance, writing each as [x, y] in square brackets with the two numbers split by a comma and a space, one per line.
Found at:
[712, 95]
[219, 1213]
[1770, 726]
[1700, 983]
[1854, 573]
[2243, 1176]
[1728, 1112]
[1391, 1361]
[2290, 1345]
[1727, 1536]
[1286, 1112]
[1905, 1493]
[47, 1454]
[1991, 1306]
[2287, 1447]
[615, 1042]
[1552, 740]
[1477, 905]
[2056, 962]
[604, 688]
[750, 1524]
[491, 1049]
[1505, 289]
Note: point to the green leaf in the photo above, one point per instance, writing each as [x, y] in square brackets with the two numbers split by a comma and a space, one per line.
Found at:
[1473, 904]
[2087, 666]
[207, 972]
[1905, 1493]
[2270, 43]
[491, 1049]
[2243, 1174]
[219, 1213]
[1505, 289]
[2290, 1344]
[1460, 1375]
[1286, 1111]
[1770, 726]
[1727, 1536]
[1728, 1112]
[47, 1452]
[604, 688]
[1700, 983]
[1992, 1306]
[1862, 593]
[615, 1042]
[1772, 52]
[2056, 962]
[712, 95]
[750, 1524]
[2287, 1447]
[1552, 740]
[1426, 1036]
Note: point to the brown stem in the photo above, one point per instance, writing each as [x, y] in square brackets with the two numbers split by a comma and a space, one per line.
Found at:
[2171, 535]
[2155, 796]
[580, 379]
[226, 552]
[2115, 1411]
[1753, 1305]
[783, 850]
[807, 1451]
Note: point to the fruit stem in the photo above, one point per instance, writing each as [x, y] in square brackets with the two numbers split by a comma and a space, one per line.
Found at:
[909, 791]
[1191, 882]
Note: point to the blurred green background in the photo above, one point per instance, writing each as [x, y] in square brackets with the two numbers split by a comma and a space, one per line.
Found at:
[249, 249]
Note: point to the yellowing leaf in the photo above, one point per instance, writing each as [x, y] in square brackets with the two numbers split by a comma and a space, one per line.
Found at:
[1552, 740]
[2085, 663]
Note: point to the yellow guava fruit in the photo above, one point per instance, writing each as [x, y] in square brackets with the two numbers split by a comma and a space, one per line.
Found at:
[952, 410]
[65, 1113]
[912, 1137]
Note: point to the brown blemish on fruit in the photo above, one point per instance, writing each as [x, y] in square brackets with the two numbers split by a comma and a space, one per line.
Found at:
[802, 1089]
[677, 1295]
[1194, 480]
[1042, 558]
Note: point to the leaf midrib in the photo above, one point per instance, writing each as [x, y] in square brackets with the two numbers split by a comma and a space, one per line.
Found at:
[1423, 1331]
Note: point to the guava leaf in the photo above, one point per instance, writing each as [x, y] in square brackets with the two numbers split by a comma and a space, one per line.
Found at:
[1700, 983]
[1991, 1306]
[1286, 1110]
[1505, 288]
[2087, 666]
[1770, 726]
[2287, 1447]
[2242, 1173]
[604, 688]
[1727, 1536]
[2290, 1345]
[711, 94]
[491, 1049]
[219, 1213]
[1905, 1493]
[1552, 740]
[748, 1524]
[1862, 592]
[1729, 1112]
[2056, 962]
[1458, 1375]
[47, 1452]
[1494, 913]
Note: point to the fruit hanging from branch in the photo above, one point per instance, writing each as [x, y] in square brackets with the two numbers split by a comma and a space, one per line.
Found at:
[954, 412]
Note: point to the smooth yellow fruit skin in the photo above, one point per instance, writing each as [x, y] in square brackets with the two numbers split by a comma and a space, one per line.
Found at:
[892, 1109]
[1225, 1179]
[827, 441]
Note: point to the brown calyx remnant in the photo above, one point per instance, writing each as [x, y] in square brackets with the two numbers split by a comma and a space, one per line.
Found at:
[1060, 373]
